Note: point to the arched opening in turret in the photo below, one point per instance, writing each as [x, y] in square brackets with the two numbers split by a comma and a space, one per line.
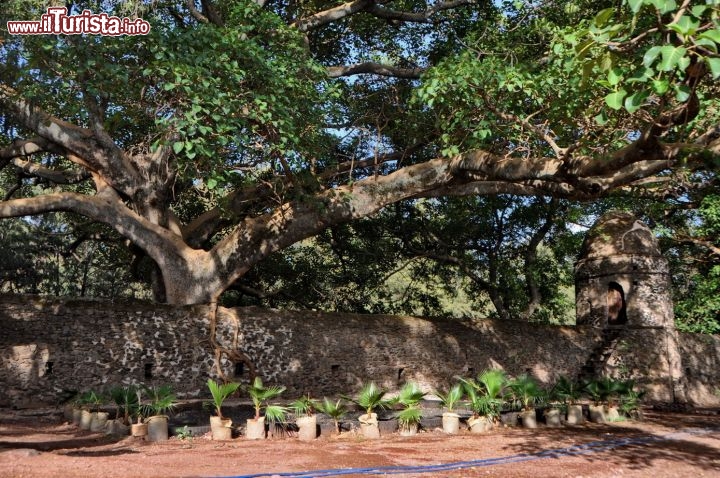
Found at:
[616, 307]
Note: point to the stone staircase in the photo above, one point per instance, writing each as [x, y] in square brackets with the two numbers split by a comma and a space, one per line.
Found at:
[601, 353]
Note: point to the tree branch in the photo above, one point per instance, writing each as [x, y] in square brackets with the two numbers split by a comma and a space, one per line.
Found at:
[328, 16]
[156, 241]
[195, 12]
[715, 250]
[420, 17]
[111, 161]
[57, 177]
[203, 227]
[374, 69]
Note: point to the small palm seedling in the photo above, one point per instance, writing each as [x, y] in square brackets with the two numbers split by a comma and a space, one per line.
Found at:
[526, 391]
[567, 390]
[161, 401]
[449, 398]
[126, 402]
[630, 400]
[260, 395]
[335, 410]
[372, 397]
[409, 399]
[303, 407]
[220, 393]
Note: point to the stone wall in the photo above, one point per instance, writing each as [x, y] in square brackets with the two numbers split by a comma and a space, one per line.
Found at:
[51, 347]
[701, 368]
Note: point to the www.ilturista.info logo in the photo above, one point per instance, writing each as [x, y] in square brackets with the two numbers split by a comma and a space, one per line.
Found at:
[57, 22]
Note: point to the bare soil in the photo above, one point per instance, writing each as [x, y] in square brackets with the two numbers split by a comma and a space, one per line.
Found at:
[41, 445]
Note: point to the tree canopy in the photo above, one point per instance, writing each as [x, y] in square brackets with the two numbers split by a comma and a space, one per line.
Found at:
[234, 130]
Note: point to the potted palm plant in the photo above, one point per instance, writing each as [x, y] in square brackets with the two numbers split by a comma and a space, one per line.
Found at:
[161, 401]
[305, 418]
[220, 427]
[597, 409]
[528, 393]
[260, 395]
[611, 390]
[553, 409]
[126, 404]
[630, 400]
[371, 398]
[98, 418]
[604, 392]
[335, 410]
[493, 383]
[409, 417]
[81, 413]
[85, 405]
[569, 392]
[139, 429]
[481, 406]
[448, 399]
[486, 398]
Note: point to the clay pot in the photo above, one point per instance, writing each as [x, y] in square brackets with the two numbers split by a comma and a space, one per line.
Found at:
[98, 421]
[611, 413]
[255, 429]
[369, 426]
[116, 427]
[85, 419]
[77, 416]
[597, 413]
[409, 430]
[528, 419]
[139, 430]
[221, 428]
[68, 412]
[307, 427]
[552, 417]
[157, 428]
[451, 423]
[575, 415]
[479, 424]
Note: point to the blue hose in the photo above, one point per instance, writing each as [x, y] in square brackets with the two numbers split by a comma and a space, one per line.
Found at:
[575, 450]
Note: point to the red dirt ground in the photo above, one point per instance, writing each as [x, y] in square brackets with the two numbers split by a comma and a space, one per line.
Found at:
[664, 445]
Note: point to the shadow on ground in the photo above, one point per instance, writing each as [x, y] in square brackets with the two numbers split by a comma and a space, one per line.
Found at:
[630, 447]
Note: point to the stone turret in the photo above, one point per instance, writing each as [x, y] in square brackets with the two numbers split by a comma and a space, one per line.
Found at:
[621, 278]
[622, 285]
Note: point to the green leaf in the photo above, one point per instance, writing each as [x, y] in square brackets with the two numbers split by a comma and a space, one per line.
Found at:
[714, 64]
[601, 119]
[614, 76]
[685, 26]
[651, 55]
[682, 93]
[641, 75]
[707, 43]
[582, 48]
[615, 100]
[211, 183]
[671, 56]
[604, 16]
[178, 146]
[635, 5]
[683, 63]
[635, 101]
[713, 35]
[698, 10]
[661, 86]
[664, 6]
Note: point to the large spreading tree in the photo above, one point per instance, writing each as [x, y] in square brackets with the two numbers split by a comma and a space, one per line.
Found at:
[235, 129]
